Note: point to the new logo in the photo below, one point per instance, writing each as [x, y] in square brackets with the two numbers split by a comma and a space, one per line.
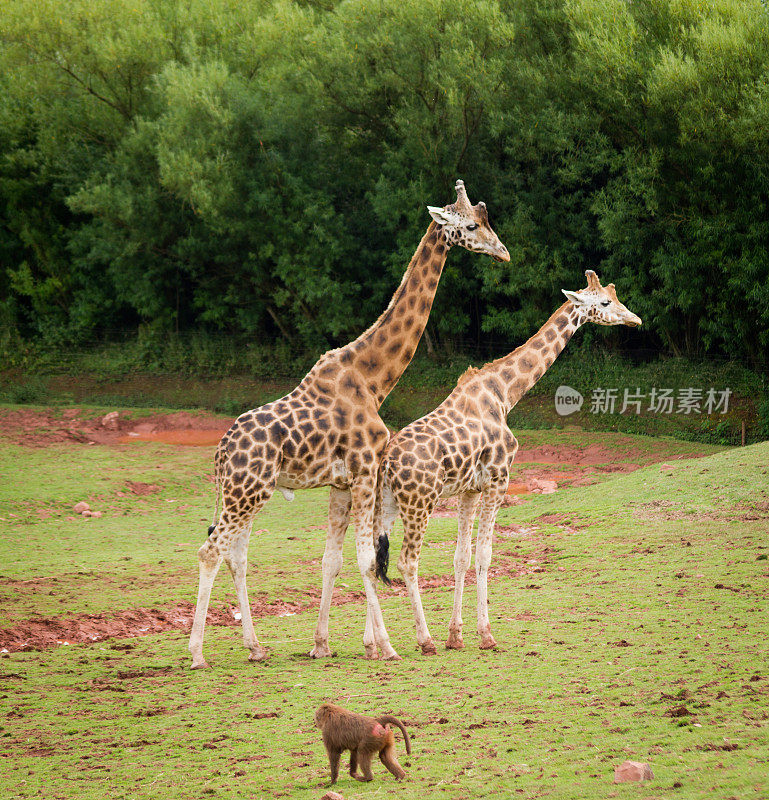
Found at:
[567, 400]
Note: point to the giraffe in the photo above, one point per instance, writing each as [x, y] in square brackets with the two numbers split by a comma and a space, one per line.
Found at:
[465, 448]
[327, 432]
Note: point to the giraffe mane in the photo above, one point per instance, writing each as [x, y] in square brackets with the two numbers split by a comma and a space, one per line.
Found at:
[501, 358]
[467, 374]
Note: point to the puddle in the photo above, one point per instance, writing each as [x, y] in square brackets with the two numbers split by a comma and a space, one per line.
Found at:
[190, 437]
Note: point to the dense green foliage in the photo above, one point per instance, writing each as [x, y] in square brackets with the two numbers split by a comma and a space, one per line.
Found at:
[261, 168]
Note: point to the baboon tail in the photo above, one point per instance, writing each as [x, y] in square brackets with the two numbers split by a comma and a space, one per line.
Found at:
[395, 721]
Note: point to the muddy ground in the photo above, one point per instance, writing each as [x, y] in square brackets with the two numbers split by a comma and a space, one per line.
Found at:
[541, 469]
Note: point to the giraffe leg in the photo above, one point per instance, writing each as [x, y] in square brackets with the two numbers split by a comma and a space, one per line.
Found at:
[237, 561]
[468, 505]
[210, 560]
[339, 502]
[368, 634]
[228, 542]
[492, 499]
[414, 527]
[385, 514]
[363, 495]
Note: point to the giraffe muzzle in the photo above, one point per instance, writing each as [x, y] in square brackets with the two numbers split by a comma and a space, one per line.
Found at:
[502, 255]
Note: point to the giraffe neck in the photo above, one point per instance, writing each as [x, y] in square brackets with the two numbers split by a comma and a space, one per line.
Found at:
[382, 353]
[517, 372]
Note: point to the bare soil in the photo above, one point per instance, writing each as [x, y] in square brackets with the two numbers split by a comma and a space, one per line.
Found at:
[545, 468]
[40, 428]
[43, 633]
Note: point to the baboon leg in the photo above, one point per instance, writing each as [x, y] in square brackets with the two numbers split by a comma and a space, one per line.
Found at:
[353, 762]
[364, 761]
[333, 760]
[387, 757]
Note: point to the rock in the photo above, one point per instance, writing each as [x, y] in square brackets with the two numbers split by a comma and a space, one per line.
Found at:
[540, 486]
[109, 421]
[80, 507]
[96, 513]
[332, 796]
[632, 771]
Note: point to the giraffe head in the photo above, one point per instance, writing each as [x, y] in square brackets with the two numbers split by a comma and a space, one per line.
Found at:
[599, 304]
[468, 225]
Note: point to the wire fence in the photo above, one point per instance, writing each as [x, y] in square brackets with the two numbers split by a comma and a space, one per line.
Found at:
[215, 352]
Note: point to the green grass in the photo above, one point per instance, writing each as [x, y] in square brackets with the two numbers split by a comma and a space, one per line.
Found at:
[648, 593]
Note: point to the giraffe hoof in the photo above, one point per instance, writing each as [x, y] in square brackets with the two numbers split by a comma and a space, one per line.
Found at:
[488, 644]
[199, 665]
[371, 652]
[320, 651]
[429, 649]
[455, 642]
[391, 656]
[258, 655]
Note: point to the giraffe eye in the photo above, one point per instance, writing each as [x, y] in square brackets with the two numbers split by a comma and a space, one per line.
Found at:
[606, 303]
[472, 226]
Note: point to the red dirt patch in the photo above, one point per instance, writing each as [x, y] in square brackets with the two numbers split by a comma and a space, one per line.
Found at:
[45, 633]
[142, 489]
[39, 428]
[187, 437]
[589, 456]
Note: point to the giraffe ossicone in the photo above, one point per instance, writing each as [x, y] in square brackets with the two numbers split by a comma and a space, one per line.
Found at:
[327, 432]
[464, 447]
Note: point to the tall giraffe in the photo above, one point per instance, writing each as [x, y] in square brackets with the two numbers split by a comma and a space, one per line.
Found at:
[465, 448]
[327, 432]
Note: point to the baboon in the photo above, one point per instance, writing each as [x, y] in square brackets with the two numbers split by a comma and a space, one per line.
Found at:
[362, 736]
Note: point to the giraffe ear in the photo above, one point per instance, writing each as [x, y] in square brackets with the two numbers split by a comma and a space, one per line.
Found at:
[575, 297]
[442, 216]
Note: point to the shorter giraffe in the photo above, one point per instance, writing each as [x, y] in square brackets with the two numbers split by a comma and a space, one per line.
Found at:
[465, 448]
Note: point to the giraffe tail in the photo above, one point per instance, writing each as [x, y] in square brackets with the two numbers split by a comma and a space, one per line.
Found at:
[218, 466]
[382, 536]
[383, 558]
